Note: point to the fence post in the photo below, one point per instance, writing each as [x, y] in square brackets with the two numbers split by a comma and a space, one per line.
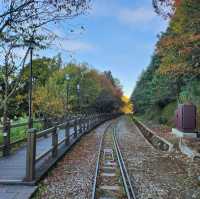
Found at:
[99, 119]
[75, 127]
[80, 125]
[45, 125]
[55, 141]
[67, 133]
[31, 154]
[84, 124]
[96, 123]
[88, 123]
[6, 138]
[96, 120]
[93, 121]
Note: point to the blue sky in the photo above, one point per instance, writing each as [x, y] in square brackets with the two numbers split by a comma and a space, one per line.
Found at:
[119, 35]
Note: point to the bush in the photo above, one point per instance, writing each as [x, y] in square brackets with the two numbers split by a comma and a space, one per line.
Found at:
[162, 120]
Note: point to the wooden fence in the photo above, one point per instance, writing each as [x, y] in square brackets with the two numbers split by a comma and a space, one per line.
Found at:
[44, 147]
[73, 129]
[8, 144]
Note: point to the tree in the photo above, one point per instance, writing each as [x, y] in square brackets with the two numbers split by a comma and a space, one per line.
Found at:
[127, 105]
[18, 15]
[179, 47]
[9, 79]
[165, 8]
[97, 94]
[174, 72]
[42, 70]
[22, 25]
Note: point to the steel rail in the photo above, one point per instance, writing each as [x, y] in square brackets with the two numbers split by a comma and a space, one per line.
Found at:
[126, 179]
[97, 164]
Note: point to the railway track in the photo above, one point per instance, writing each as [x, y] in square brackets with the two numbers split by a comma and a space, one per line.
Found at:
[111, 179]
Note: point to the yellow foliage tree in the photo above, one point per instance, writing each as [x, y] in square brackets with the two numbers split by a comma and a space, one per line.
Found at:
[127, 105]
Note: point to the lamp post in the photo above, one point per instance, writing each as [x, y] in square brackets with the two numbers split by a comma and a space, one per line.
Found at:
[67, 77]
[78, 96]
[30, 119]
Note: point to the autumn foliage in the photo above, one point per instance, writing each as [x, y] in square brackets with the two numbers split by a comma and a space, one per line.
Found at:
[98, 93]
[127, 105]
[173, 76]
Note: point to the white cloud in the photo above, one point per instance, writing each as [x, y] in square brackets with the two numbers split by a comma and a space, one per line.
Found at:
[136, 16]
[124, 14]
[73, 45]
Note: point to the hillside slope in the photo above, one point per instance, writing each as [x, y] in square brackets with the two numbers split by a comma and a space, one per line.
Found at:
[173, 75]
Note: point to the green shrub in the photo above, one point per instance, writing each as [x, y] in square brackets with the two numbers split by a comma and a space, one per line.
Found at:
[162, 120]
[168, 112]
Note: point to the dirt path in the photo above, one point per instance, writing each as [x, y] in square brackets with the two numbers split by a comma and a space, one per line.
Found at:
[73, 175]
[157, 175]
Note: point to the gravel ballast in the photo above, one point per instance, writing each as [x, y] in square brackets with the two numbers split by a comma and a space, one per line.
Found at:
[72, 177]
[156, 174]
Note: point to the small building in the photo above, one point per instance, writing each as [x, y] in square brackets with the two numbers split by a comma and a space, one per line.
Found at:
[186, 121]
[186, 118]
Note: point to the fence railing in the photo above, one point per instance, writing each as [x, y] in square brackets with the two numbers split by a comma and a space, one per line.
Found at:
[72, 130]
[8, 143]
[20, 124]
[10, 138]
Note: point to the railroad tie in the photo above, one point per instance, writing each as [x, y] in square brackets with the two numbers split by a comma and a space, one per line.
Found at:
[108, 174]
[110, 187]
[110, 163]
[110, 181]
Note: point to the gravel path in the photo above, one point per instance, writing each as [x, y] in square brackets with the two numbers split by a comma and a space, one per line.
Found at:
[73, 175]
[155, 174]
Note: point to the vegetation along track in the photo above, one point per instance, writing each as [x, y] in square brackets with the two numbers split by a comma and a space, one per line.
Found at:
[111, 178]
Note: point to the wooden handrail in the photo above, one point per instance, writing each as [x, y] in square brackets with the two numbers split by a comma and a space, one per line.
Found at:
[22, 124]
[39, 134]
[80, 125]
[39, 157]
[44, 132]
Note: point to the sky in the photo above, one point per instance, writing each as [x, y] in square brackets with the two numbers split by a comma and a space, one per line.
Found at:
[118, 35]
